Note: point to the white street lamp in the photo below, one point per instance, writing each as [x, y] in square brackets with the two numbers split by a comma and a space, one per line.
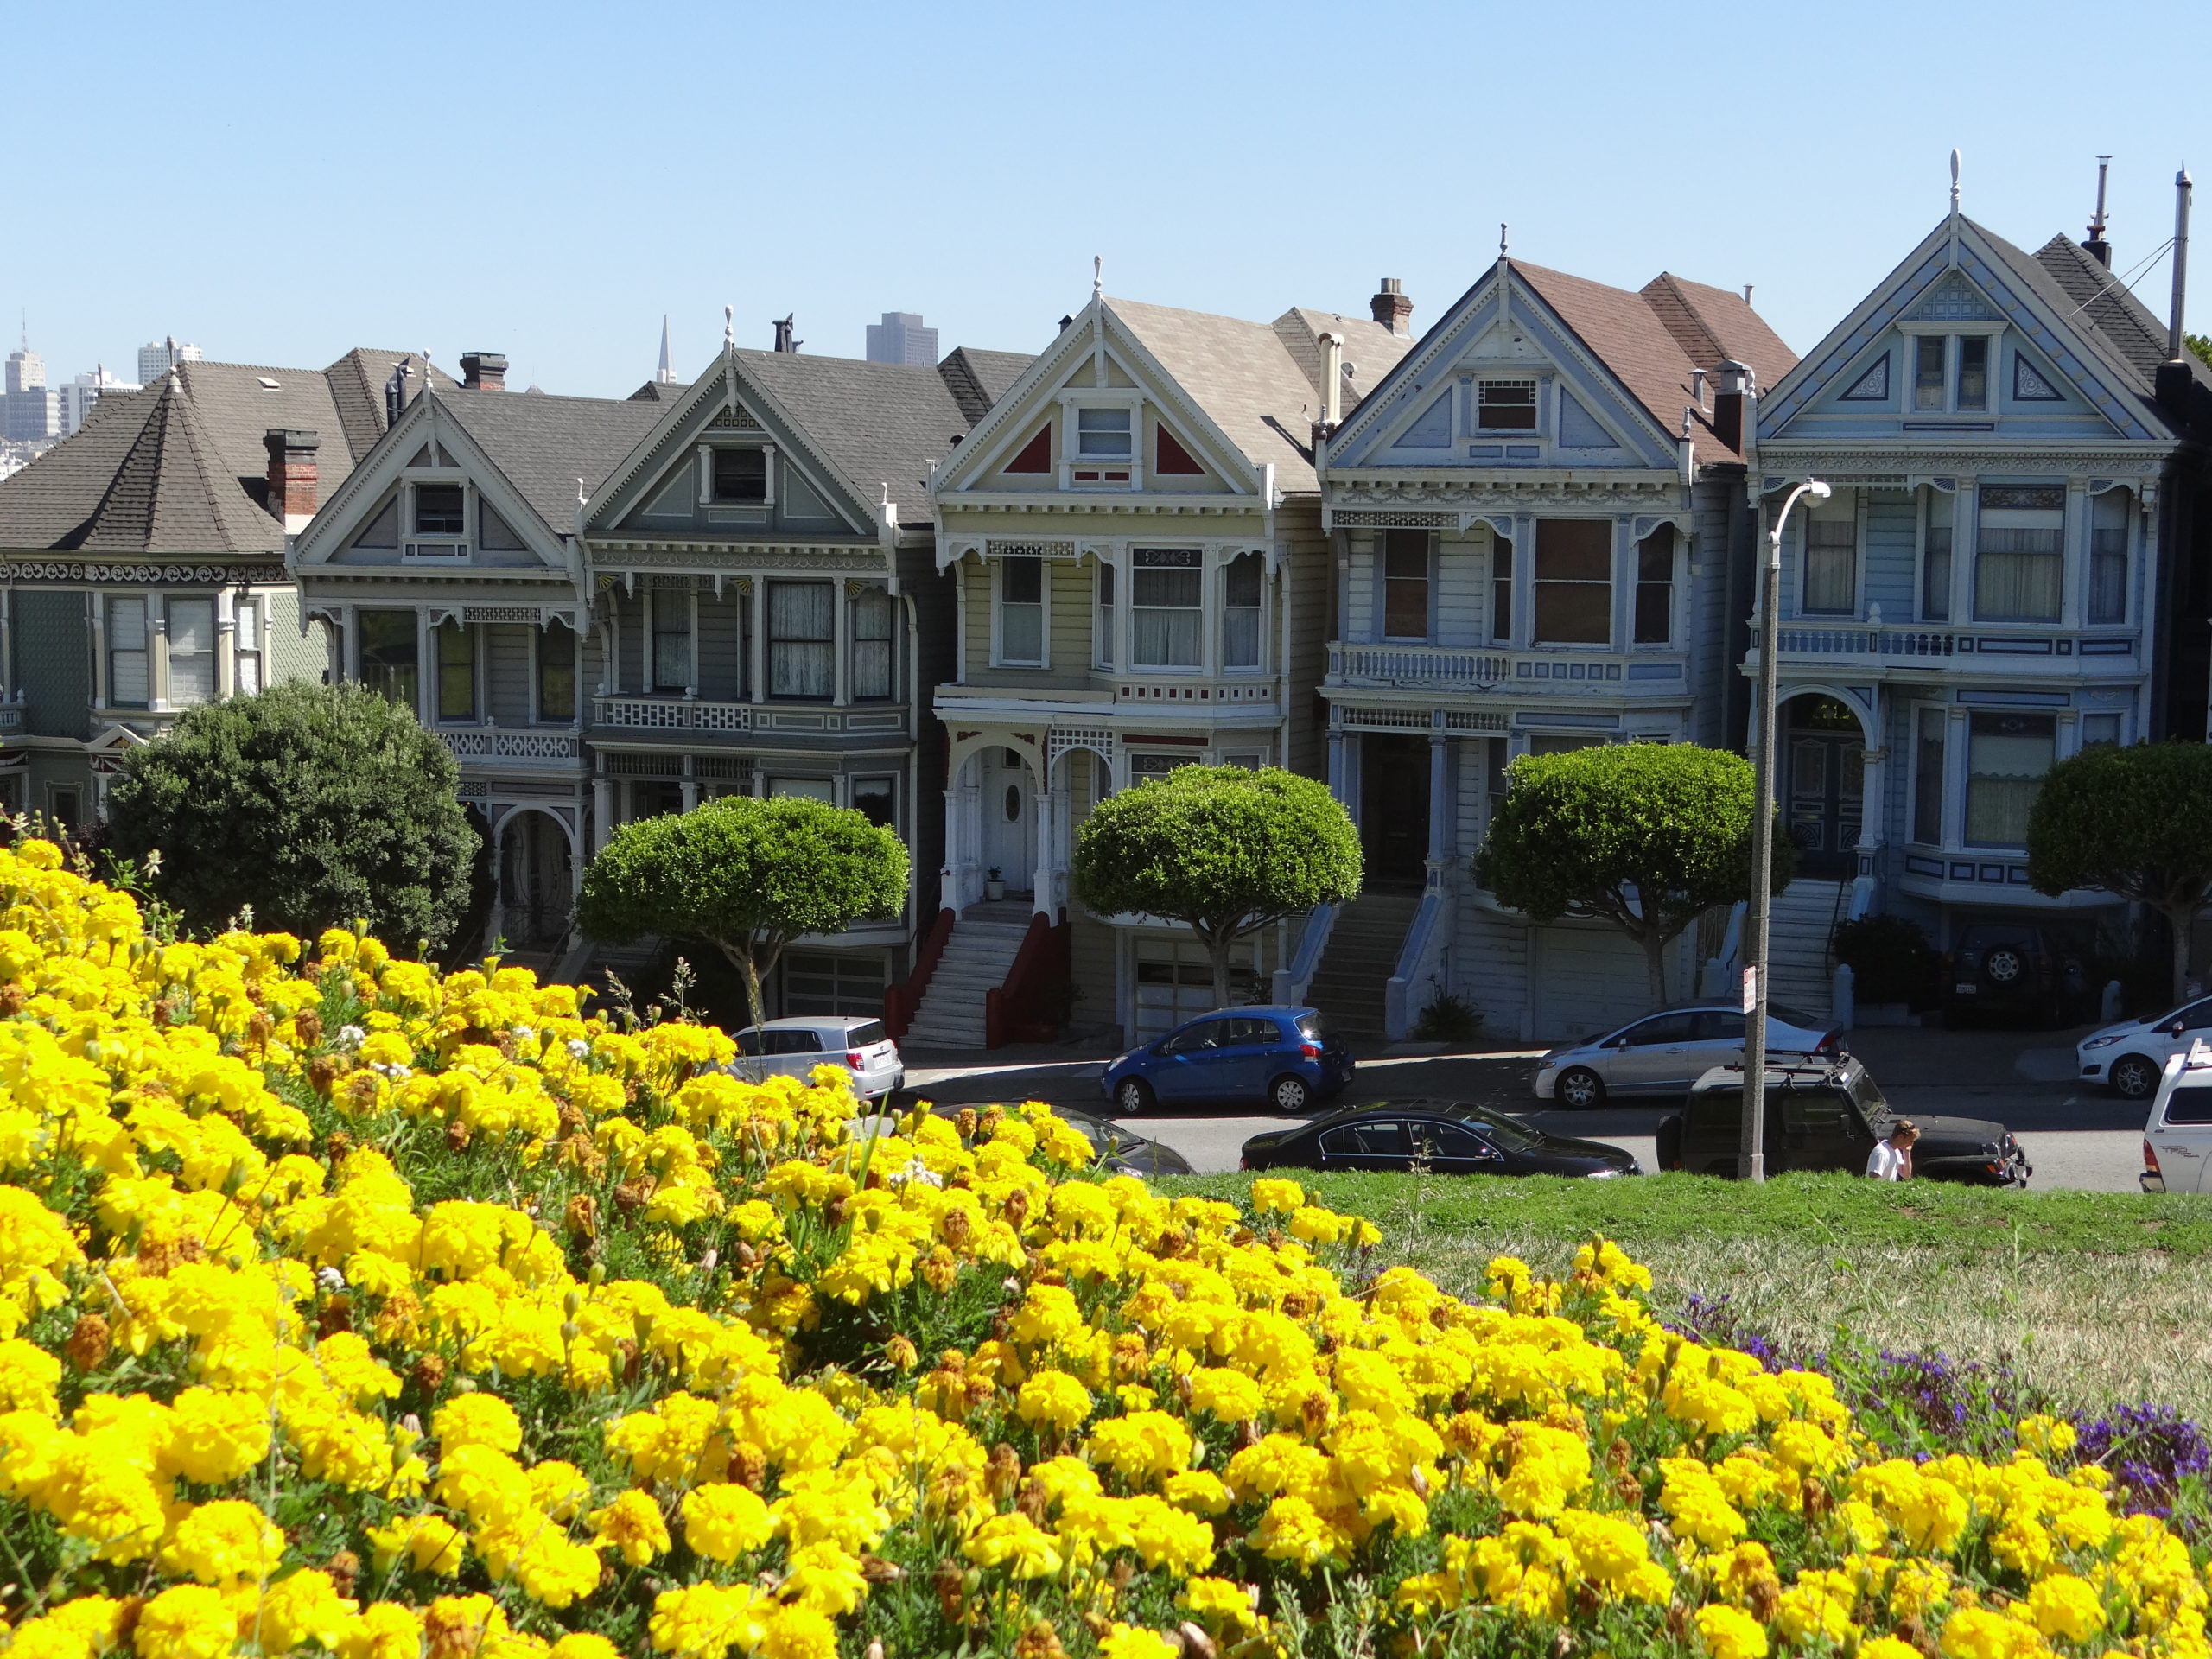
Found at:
[1752, 1158]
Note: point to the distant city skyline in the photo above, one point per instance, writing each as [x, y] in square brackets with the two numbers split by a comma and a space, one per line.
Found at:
[1235, 158]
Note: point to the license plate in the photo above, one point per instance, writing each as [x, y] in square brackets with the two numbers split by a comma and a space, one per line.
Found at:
[1968, 990]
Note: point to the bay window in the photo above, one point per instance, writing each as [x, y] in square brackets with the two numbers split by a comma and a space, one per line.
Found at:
[2007, 755]
[1103, 644]
[388, 644]
[1935, 557]
[1241, 586]
[245, 645]
[556, 673]
[1021, 610]
[1831, 573]
[1574, 581]
[671, 660]
[1167, 603]
[873, 612]
[457, 653]
[192, 651]
[802, 638]
[1405, 584]
[2020, 559]
[1655, 588]
[1928, 776]
[1501, 590]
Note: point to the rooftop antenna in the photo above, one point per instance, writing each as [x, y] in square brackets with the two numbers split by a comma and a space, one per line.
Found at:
[2097, 246]
[1501, 238]
[1955, 182]
[2177, 342]
[1097, 276]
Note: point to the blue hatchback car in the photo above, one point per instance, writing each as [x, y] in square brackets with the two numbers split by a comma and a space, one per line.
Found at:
[1284, 1057]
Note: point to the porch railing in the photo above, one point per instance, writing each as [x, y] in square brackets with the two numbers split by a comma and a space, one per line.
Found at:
[1028, 1007]
[903, 1001]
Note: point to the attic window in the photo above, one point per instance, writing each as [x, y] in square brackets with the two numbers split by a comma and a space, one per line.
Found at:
[1505, 405]
[740, 475]
[267, 385]
[1103, 434]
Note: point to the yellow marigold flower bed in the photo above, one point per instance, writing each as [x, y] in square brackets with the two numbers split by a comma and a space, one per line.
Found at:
[349, 1307]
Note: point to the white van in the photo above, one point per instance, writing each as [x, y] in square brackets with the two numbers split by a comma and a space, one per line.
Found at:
[2177, 1140]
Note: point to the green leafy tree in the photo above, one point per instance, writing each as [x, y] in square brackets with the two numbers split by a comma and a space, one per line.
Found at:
[2137, 822]
[1647, 836]
[1225, 850]
[313, 805]
[746, 876]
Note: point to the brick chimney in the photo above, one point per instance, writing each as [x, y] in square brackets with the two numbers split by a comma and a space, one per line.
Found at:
[1731, 381]
[1391, 307]
[484, 371]
[291, 474]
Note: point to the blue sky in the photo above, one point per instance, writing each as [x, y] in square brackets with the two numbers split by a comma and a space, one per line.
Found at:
[279, 183]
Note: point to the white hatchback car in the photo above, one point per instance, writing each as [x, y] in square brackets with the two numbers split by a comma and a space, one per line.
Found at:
[2131, 1057]
[795, 1045]
[2177, 1140]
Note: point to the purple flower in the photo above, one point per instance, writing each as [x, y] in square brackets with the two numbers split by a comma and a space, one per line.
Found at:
[2148, 1449]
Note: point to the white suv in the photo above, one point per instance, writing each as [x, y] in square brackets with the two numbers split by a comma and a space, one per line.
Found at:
[2130, 1056]
[795, 1045]
[2177, 1140]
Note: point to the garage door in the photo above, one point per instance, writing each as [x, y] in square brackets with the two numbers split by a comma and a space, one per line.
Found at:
[1175, 983]
[1586, 980]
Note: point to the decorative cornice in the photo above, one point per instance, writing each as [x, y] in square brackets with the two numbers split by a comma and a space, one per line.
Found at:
[1498, 495]
[1168, 507]
[857, 559]
[196, 576]
[1840, 464]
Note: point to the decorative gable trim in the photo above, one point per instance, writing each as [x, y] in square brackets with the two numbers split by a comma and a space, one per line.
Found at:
[1871, 387]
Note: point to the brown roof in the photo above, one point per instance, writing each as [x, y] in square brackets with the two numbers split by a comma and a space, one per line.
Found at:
[1652, 341]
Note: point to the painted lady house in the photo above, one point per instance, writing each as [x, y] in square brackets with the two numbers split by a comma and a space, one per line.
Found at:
[144, 562]
[447, 573]
[1132, 540]
[1540, 542]
[768, 619]
[2009, 571]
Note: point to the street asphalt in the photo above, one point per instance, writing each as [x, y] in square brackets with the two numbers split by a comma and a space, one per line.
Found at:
[2083, 1139]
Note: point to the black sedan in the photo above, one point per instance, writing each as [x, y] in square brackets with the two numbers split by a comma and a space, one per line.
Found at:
[1448, 1137]
[1119, 1151]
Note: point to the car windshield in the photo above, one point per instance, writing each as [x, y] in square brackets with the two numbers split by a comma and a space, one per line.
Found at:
[1505, 1129]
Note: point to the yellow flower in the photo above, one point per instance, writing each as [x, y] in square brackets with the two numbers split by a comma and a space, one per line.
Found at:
[1054, 1400]
[724, 1521]
[188, 1621]
[633, 1525]
[1730, 1633]
[1128, 1642]
[2067, 1606]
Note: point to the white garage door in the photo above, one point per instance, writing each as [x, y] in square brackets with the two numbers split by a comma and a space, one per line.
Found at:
[1586, 980]
[1175, 983]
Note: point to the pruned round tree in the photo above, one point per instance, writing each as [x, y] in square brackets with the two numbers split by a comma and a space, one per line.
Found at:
[1647, 836]
[314, 806]
[1225, 850]
[2136, 821]
[746, 876]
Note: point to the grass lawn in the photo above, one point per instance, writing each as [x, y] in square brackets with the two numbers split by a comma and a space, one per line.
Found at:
[2097, 1298]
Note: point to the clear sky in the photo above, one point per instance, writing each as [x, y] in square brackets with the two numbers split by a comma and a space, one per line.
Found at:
[280, 182]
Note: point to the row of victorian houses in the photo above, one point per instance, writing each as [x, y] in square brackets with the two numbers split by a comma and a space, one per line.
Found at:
[972, 600]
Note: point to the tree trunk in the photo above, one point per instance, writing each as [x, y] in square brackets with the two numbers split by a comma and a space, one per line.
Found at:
[2179, 920]
[1655, 958]
[1217, 946]
[740, 957]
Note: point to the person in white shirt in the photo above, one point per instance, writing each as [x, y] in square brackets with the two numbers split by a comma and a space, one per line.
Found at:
[1892, 1160]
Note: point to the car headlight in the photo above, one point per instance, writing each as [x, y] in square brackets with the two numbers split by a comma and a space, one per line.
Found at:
[1605, 1174]
[2100, 1042]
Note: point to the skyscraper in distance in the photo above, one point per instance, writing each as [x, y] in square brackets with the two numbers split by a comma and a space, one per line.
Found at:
[900, 338]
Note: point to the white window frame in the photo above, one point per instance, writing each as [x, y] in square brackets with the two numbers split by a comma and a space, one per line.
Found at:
[170, 654]
[417, 547]
[1382, 557]
[999, 658]
[1222, 564]
[1478, 432]
[1924, 518]
[1209, 566]
[1072, 404]
[1805, 521]
[2129, 553]
[1106, 615]
[1951, 332]
[143, 650]
[248, 615]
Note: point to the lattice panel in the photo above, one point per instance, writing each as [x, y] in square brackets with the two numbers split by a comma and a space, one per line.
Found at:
[1002, 547]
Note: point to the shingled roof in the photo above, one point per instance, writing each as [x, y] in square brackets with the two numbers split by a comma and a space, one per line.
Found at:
[2098, 303]
[544, 444]
[181, 468]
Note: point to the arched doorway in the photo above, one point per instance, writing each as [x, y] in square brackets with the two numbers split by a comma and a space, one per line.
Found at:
[535, 880]
[1823, 782]
[1008, 798]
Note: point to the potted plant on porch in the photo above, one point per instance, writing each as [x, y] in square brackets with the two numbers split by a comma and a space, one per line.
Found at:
[993, 885]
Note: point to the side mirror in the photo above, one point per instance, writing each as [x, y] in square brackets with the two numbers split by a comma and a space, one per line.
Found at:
[2175, 1029]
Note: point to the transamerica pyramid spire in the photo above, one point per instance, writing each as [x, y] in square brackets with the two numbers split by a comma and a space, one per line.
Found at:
[666, 375]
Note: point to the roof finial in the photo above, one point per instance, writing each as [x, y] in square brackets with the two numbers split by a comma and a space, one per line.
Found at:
[1097, 276]
[581, 497]
[1955, 182]
[1501, 238]
[729, 325]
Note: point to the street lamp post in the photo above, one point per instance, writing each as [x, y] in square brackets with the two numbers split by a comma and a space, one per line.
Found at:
[1752, 1158]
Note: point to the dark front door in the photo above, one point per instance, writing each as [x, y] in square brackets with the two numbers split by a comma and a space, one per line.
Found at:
[1394, 808]
[1827, 776]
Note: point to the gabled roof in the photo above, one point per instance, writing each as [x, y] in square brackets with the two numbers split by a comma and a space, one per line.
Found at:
[1246, 378]
[544, 445]
[2099, 300]
[1653, 339]
[181, 467]
[978, 379]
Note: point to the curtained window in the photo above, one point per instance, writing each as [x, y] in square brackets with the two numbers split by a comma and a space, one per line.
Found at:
[2019, 562]
[1240, 616]
[2108, 556]
[1574, 581]
[1166, 602]
[1021, 610]
[245, 645]
[872, 611]
[192, 651]
[129, 684]
[1831, 564]
[2006, 757]
[802, 638]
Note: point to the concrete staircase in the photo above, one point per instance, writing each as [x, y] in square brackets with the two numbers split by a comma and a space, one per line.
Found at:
[984, 942]
[1801, 973]
[1356, 963]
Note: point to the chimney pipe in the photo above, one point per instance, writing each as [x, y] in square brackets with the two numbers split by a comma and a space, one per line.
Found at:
[2096, 247]
[1332, 380]
[1734, 380]
[2176, 342]
[1391, 307]
[1698, 377]
[484, 371]
[291, 474]
[784, 342]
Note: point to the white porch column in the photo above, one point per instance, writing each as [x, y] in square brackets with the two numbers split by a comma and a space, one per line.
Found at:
[602, 812]
[227, 627]
[952, 880]
[841, 671]
[1337, 763]
[1439, 801]
[496, 922]
[756, 590]
[1866, 886]
[1041, 896]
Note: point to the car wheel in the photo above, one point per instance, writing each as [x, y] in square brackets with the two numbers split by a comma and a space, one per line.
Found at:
[1581, 1087]
[2133, 1077]
[1132, 1097]
[1669, 1140]
[2003, 964]
[1290, 1094]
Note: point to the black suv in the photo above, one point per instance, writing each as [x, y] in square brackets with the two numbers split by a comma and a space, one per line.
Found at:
[1829, 1117]
[2015, 968]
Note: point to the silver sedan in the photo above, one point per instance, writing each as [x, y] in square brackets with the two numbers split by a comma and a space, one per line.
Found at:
[1664, 1053]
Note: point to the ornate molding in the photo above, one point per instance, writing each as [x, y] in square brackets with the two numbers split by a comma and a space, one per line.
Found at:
[1897, 468]
[1535, 496]
[858, 560]
[197, 575]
